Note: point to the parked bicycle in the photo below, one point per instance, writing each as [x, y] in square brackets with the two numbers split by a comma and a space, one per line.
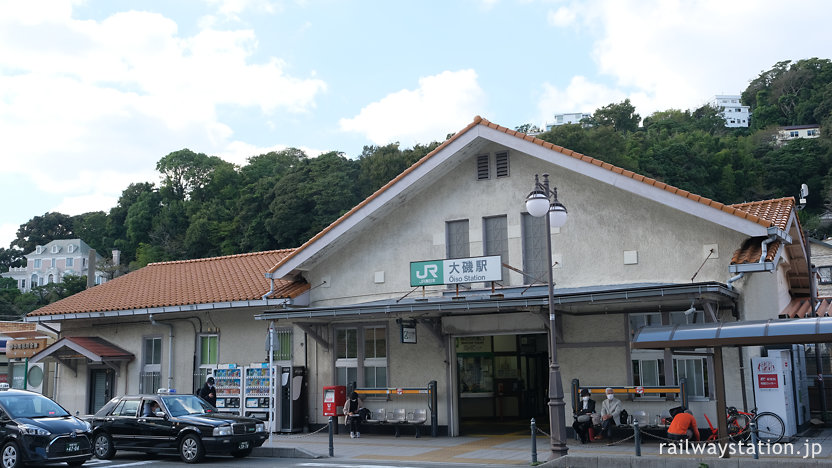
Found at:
[770, 427]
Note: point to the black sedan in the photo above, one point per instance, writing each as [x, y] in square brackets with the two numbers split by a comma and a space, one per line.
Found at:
[35, 429]
[171, 423]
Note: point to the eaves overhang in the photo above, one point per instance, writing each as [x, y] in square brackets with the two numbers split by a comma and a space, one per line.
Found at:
[159, 310]
[478, 302]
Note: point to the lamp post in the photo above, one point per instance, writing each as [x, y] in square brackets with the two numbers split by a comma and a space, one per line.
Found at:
[543, 201]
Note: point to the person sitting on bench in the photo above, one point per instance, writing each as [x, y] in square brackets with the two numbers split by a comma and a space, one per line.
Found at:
[610, 412]
[583, 418]
[683, 427]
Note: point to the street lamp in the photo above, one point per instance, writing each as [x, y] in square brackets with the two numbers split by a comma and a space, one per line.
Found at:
[543, 201]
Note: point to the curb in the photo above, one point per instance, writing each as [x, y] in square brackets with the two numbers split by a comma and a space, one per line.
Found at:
[283, 452]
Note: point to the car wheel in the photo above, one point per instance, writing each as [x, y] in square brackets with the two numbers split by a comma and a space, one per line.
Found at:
[190, 449]
[242, 453]
[11, 456]
[103, 446]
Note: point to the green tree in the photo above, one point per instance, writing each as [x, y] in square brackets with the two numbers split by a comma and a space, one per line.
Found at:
[41, 230]
[622, 117]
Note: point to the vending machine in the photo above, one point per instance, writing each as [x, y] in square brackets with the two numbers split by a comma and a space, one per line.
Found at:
[256, 391]
[773, 387]
[228, 380]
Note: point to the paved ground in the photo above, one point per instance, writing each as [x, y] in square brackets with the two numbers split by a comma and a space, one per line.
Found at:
[814, 448]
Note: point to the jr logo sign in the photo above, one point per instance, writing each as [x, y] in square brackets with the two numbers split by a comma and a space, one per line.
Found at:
[426, 273]
[456, 271]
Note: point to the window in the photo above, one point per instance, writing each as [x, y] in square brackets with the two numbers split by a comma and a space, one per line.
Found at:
[346, 356]
[39, 249]
[501, 163]
[51, 279]
[282, 344]
[648, 368]
[69, 262]
[55, 249]
[375, 357]
[150, 378]
[70, 248]
[23, 284]
[495, 230]
[534, 243]
[366, 365]
[38, 263]
[457, 233]
[650, 319]
[53, 262]
[483, 167]
[208, 357]
[34, 281]
[825, 274]
[695, 370]
[794, 134]
[812, 132]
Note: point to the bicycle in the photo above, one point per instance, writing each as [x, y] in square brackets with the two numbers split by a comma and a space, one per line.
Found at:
[770, 427]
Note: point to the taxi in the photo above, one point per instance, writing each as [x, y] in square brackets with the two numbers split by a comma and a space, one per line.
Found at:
[172, 423]
[35, 429]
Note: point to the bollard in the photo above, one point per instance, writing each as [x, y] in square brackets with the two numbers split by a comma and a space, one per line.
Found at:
[754, 438]
[534, 443]
[637, 437]
[331, 446]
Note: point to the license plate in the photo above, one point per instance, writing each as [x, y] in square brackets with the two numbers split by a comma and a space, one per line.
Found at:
[73, 447]
[243, 445]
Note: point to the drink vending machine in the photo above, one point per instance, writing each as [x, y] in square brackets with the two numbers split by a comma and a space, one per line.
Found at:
[256, 391]
[228, 380]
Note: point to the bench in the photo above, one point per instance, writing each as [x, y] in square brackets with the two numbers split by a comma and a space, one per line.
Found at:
[398, 417]
[400, 407]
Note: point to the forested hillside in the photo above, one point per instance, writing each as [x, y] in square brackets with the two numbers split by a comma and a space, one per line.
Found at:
[205, 206]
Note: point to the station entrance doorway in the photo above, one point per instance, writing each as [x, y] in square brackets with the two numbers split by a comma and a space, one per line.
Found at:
[502, 382]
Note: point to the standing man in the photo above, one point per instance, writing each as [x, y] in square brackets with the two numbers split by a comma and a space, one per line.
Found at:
[610, 412]
[208, 392]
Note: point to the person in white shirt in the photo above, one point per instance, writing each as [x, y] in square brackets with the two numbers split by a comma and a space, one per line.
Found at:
[610, 412]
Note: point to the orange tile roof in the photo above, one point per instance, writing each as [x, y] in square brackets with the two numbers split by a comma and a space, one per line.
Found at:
[201, 281]
[777, 212]
[800, 308]
[588, 159]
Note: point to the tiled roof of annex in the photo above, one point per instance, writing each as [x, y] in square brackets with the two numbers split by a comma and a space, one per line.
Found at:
[778, 212]
[730, 209]
[200, 281]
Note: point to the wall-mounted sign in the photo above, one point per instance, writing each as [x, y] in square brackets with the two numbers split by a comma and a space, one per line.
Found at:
[408, 331]
[456, 271]
[17, 349]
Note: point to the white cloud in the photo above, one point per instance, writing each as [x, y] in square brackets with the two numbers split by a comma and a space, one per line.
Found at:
[561, 17]
[8, 233]
[95, 104]
[580, 95]
[666, 55]
[441, 104]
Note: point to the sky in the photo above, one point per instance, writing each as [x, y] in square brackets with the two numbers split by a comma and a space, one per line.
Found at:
[94, 93]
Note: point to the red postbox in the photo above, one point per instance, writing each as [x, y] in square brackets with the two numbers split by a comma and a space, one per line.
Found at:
[334, 398]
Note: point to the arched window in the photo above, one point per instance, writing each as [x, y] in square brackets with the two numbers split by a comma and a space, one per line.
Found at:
[51, 279]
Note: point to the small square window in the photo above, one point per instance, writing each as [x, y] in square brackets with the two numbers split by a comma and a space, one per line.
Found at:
[825, 275]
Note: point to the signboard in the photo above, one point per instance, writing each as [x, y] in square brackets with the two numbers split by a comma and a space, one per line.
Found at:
[456, 271]
[640, 390]
[17, 349]
[408, 333]
[767, 381]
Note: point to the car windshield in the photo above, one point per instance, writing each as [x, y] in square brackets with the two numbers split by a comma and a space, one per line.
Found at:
[31, 406]
[181, 405]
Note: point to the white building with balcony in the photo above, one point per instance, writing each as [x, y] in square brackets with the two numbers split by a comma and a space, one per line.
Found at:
[731, 109]
[564, 119]
[51, 262]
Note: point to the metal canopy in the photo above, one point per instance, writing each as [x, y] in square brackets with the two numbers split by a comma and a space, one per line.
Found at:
[752, 333]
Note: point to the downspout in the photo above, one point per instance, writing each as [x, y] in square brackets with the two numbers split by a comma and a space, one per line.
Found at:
[764, 248]
[271, 287]
[170, 350]
[732, 279]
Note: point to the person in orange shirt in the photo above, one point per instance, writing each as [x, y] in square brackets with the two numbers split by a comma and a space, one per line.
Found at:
[682, 426]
